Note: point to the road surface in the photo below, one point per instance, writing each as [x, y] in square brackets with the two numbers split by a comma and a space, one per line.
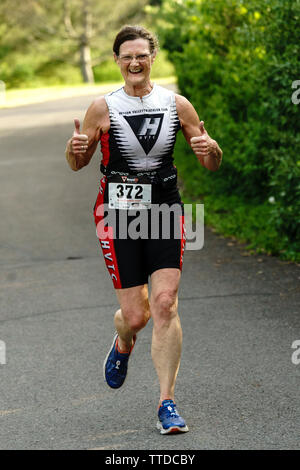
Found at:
[237, 386]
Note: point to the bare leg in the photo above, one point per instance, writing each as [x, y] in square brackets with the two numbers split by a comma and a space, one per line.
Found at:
[133, 314]
[167, 333]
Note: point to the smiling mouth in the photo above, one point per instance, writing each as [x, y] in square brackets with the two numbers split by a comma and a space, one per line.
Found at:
[135, 72]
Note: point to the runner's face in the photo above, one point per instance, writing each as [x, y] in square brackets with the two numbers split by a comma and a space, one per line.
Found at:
[135, 73]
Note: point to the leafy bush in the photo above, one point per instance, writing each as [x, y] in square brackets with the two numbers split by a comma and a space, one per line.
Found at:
[236, 61]
[107, 72]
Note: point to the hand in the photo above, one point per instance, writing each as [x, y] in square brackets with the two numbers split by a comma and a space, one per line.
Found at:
[78, 144]
[203, 145]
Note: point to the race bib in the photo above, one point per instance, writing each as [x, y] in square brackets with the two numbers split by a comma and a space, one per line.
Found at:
[129, 192]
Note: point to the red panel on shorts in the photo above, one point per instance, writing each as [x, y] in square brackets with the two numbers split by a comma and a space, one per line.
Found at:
[110, 258]
[107, 243]
[183, 239]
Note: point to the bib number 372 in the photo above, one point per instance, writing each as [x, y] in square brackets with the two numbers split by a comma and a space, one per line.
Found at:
[129, 196]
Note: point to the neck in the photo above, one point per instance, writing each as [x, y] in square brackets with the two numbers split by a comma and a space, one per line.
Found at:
[138, 90]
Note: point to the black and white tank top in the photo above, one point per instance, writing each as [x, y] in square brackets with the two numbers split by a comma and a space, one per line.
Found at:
[142, 131]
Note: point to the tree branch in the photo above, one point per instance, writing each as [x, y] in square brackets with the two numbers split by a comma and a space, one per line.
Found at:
[68, 22]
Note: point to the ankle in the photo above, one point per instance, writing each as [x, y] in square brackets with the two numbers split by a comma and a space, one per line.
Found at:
[121, 347]
[124, 347]
[165, 398]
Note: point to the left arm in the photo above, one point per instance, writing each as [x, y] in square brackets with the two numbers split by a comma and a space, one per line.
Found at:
[205, 148]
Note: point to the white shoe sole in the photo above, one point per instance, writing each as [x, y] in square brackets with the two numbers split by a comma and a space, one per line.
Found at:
[172, 429]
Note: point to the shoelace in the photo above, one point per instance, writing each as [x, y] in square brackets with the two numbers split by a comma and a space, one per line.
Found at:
[171, 413]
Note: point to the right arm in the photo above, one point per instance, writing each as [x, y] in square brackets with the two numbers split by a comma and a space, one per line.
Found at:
[81, 147]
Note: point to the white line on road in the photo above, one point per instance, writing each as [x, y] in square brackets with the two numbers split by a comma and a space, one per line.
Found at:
[9, 412]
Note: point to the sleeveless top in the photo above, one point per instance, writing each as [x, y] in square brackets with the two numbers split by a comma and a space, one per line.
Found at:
[142, 131]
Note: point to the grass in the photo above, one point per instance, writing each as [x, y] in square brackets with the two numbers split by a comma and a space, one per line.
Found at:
[229, 215]
[245, 223]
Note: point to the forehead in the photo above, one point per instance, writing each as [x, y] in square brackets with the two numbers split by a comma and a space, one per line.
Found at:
[135, 46]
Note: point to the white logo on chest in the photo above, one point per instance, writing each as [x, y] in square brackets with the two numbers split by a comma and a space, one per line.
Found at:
[148, 127]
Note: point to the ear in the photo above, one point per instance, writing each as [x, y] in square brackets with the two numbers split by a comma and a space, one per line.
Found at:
[153, 55]
[115, 57]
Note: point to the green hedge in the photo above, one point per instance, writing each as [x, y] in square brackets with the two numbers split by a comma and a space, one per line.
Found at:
[236, 62]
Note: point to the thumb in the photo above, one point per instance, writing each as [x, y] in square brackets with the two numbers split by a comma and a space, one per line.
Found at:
[202, 128]
[77, 126]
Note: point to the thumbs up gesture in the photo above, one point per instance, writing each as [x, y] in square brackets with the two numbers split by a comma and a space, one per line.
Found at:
[79, 142]
[203, 145]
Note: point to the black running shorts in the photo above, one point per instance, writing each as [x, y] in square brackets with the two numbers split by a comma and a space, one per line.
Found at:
[130, 261]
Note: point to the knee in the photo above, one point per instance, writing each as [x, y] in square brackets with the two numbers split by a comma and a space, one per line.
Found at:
[136, 319]
[164, 306]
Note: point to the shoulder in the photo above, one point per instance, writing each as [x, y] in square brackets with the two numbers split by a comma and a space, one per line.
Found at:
[97, 116]
[98, 106]
[185, 109]
[183, 104]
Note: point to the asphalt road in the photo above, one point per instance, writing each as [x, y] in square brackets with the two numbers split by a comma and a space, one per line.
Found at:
[237, 386]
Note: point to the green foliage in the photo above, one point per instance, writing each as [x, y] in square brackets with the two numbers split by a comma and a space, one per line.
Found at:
[235, 61]
[40, 40]
[162, 67]
[38, 36]
[108, 71]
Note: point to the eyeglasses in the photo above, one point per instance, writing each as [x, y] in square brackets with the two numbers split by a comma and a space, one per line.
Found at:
[126, 59]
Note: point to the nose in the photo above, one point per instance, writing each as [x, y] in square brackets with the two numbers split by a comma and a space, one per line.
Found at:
[134, 59]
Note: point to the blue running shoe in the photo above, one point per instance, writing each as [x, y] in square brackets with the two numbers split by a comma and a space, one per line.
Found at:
[169, 420]
[115, 365]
